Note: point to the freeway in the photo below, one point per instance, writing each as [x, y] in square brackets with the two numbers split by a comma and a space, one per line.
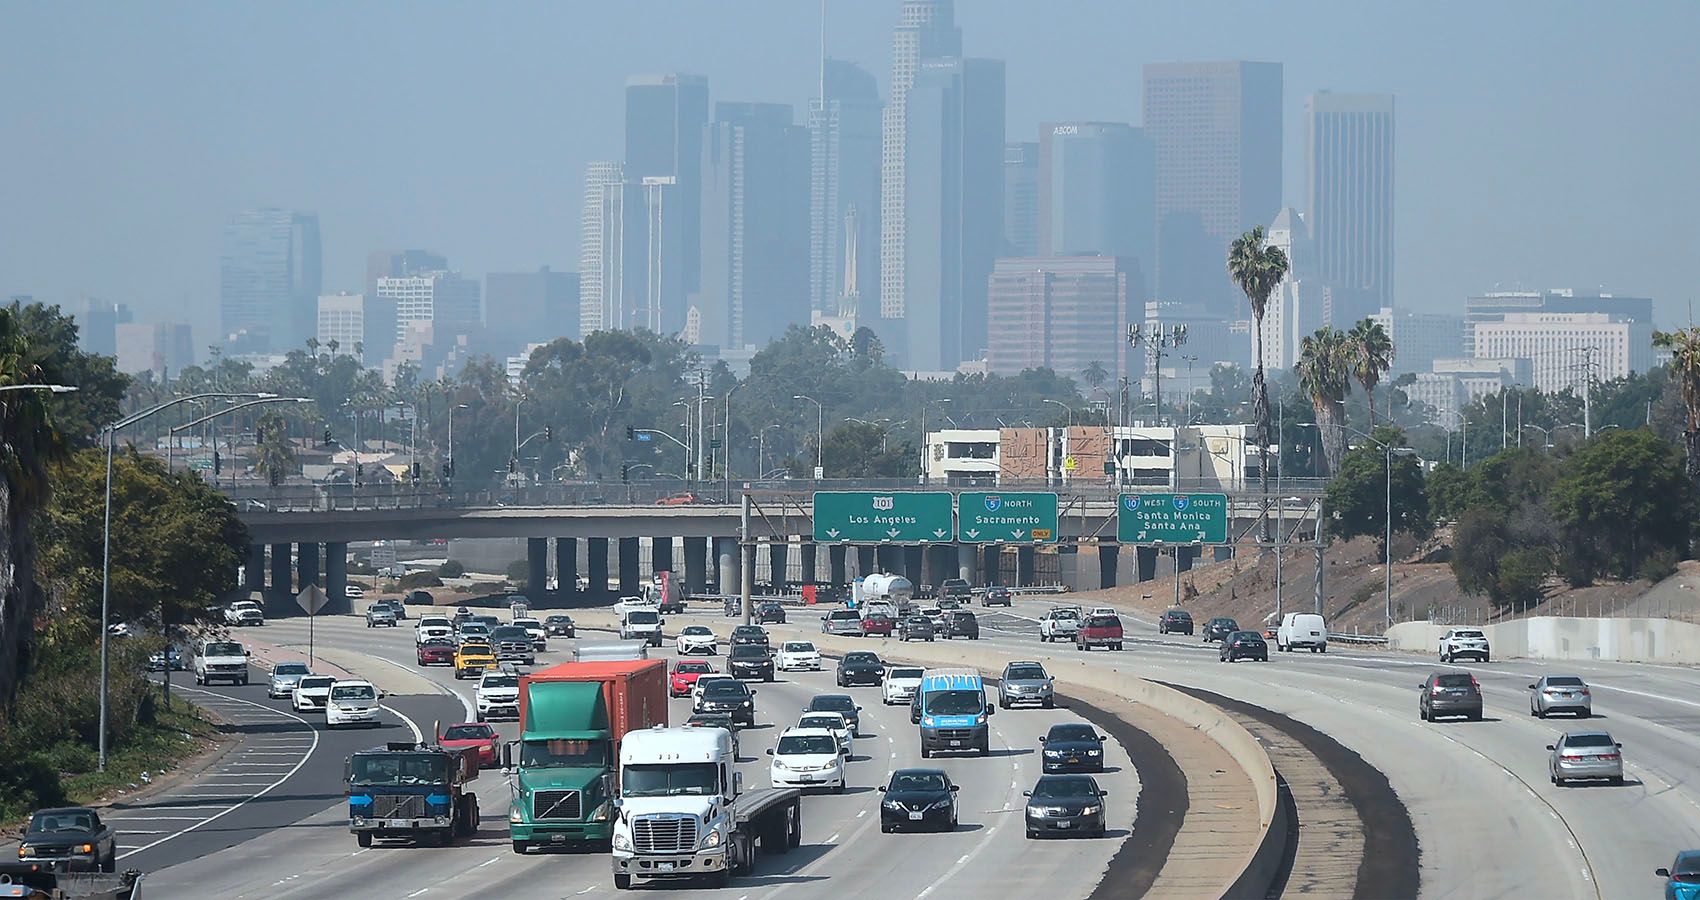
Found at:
[1488, 822]
[842, 844]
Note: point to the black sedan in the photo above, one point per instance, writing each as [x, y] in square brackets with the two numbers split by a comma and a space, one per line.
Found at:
[750, 661]
[1065, 804]
[997, 595]
[736, 699]
[860, 667]
[843, 704]
[1175, 621]
[961, 624]
[748, 634]
[770, 613]
[916, 628]
[918, 799]
[559, 626]
[1219, 628]
[1243, 645]
[1072, 747]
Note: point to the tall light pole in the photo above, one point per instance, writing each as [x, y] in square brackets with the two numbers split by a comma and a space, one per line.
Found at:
[1062, 477]
[726, 443]
[513, 461]
[450, 461]
[820, 434]
[1389, 451]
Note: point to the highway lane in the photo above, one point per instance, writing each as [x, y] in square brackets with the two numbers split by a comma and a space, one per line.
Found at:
[841, 839]
[1489, 822]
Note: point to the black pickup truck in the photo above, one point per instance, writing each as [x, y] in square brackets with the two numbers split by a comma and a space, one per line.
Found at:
[71, 839]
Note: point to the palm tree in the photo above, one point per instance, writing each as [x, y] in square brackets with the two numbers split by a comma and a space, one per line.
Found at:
[1324, 370]
[28, 439]
[1372, 355]
[274, 456]
[1684, 344]
[1258, 269]
[1094, 374]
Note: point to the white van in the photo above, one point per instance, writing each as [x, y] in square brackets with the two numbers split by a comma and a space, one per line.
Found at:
[1302, 630]
[220, 660]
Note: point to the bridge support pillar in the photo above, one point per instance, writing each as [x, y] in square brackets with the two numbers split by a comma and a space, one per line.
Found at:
[336, 580]
[1109, 559]
[1185, 557]
[914, 564]
[696, 565]
[779, 565]
[566, 568]
[941, 562]
[629, 559]
[887, 558]
[1145, 563]
[536, 567]
[281, 578]
[596, 568]
[965, 562]
[809, 561]
[661, 554]
[1222, 552]
[307, 564]
[867, 560]
[727, 581]
[254, 569]
[837, 566]
[1025, 566]
[991, 570]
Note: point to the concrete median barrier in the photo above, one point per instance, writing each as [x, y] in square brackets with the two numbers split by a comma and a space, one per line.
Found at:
[1568, 638]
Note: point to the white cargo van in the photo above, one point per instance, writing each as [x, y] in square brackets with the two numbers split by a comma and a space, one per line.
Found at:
[1302, 630]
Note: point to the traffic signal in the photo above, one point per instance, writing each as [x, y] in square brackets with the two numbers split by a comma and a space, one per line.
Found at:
[448, 472]
[415, 473]
[631, 433]
[548, 432]
[218, 463]
[359, 470]
[625, 472]
[327, 435]
[513, 465]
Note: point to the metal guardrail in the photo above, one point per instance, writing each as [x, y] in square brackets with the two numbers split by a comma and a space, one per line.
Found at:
[1356, 638]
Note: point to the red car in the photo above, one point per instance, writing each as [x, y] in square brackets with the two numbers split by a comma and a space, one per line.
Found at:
[876, 623]
[685, 499]
[472, 734]
[437, 652]
[685, 675]
[1099, 631]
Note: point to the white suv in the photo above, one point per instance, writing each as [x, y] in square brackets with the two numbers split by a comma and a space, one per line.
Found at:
[808, 757]
[352, 703]
[1464, 642]
[498, 695]
[221, 661]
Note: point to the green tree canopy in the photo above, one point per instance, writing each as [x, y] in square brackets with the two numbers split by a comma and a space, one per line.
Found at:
[1356, 498]
[1619, 500]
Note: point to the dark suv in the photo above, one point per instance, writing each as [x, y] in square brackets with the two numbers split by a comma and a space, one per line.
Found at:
[1219, 628]
[1175, 621]
[1450, 694]
[997, 595]
[961, 623]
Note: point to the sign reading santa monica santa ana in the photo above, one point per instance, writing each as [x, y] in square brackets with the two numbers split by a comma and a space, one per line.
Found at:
[869, 517]
[1172, 519]
[989, 517]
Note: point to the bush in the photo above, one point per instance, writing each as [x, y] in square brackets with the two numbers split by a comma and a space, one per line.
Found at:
[519, 572]
[451, 569]
[414, 580]
[1659, 565]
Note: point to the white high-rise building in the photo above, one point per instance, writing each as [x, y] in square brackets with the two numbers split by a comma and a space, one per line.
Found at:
[450, 303]
[612, 242]
[342, 318]
[1349, 175]
[926, 30]
[1299, 304]
[1566, 347]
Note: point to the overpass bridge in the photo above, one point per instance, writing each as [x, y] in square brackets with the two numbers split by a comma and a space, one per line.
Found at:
[315, 518]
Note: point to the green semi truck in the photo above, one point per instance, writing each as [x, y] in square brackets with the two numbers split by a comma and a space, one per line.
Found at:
[572, 719]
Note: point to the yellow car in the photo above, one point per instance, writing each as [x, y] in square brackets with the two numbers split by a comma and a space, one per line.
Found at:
[471, 659]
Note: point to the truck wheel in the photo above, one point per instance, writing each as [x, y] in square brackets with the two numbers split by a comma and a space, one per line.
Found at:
[521, 846]
[720, 879]
[111, 862]
[925, 753]
[622, 881]
[364, 839]
[794, 827]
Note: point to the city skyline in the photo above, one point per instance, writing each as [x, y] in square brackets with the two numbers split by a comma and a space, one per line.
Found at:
[1533, 243]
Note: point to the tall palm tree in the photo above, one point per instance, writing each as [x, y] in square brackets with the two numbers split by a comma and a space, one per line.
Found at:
[1094, 374]
[1684, 344]
[1371, 352]
[274, 456]
[28, 439]
[1324, 370]
[1258, 269]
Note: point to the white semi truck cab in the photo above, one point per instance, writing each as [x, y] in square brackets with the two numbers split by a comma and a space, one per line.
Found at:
[682, 812]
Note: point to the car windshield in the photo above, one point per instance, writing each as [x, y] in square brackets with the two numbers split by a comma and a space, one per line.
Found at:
[862, 658]
[844, 615]
[475, 649]
[697, 779]
[1455, 681]
[467, 732]
[710, 720]
[1687, 864]
[876, 617]
[1064, 787]
[807, 743]
[353, 692]
[223, 648]
[748, 651]
[315, 682]
[1025, 673]
[1103, 622]
[697, 631]
[290, 669]
[917, 781]
[799, 647]
[955, 703]
[698, 667]
[725, 689]
[1229, 624]
[562, 620]
[61, 821]
[643, 617]
[528, 623]
[396, 769]
[561, 753]
[1564, 681]
[1065, 614]
[837, 704]
[1588, 740]
[501, 681]
[905, 673]
[1467, 634]
[748, 631]
[1071, 733]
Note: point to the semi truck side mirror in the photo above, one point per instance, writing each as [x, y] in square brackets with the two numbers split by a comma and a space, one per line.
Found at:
[737, 783]
[991, 710]
[507, 756]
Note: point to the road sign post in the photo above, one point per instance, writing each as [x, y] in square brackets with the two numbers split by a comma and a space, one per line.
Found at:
[986, 517]
[311, 599]
[891, 517]
[1172, 519]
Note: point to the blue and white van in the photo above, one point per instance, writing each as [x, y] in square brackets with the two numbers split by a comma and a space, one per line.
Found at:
[951, 708]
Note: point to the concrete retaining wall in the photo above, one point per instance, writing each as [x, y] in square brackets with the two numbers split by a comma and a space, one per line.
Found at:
[1547, 637]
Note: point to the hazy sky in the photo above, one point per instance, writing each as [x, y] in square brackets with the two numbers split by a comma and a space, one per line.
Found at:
[1540, 144]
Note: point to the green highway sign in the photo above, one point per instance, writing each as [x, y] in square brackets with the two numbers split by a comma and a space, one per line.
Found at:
[1172, 519]
[984, 518]
[871, 517]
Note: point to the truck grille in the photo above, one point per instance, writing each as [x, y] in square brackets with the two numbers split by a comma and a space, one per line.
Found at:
[398, 806]
[555, 805]
[664, 834]
[955, 734]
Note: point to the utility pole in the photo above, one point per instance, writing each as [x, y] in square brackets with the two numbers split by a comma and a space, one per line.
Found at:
[1154, 338]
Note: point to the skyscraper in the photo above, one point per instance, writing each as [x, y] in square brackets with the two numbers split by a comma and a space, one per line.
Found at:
[953, 206]
[399, 263]
[926, 29]
[97, 324]
[269, 278]
[755, 208]
[1349, 180]
[1020, 199]
[844, 175]
[612, 242]
[445, 300]
[1064, 313]
[1216, 127]
[665, 115]
[525, 307]
[1097, 192]
[1300, 304]
[163, 348]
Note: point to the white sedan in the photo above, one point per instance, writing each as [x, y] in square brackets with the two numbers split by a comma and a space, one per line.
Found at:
[312, 693]
[796, 656]
[697, 639]
[353, 592]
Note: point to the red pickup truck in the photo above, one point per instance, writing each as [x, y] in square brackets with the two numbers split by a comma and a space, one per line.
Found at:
[1099, 631]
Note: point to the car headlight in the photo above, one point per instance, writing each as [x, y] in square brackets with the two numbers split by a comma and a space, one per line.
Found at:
[1091, 810]
[745, 703]
[780, 764]
[25, 850]
[927, 721]
[516, 814]
[601, 814]
[622, 841]
[940, 804]
[892, 804]
[1053, 754]
[711, 840]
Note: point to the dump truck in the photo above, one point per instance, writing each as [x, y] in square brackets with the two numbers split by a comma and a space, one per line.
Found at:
[573, 717]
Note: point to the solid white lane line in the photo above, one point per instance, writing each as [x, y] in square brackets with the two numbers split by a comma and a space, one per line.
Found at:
[418, 892]
[418, 736]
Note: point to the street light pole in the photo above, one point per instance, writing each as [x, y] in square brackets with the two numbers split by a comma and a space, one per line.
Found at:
[726, 443]
[820, 434]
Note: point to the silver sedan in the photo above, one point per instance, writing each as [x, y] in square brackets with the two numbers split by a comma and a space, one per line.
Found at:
[1585, 754]
[1560, 693]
